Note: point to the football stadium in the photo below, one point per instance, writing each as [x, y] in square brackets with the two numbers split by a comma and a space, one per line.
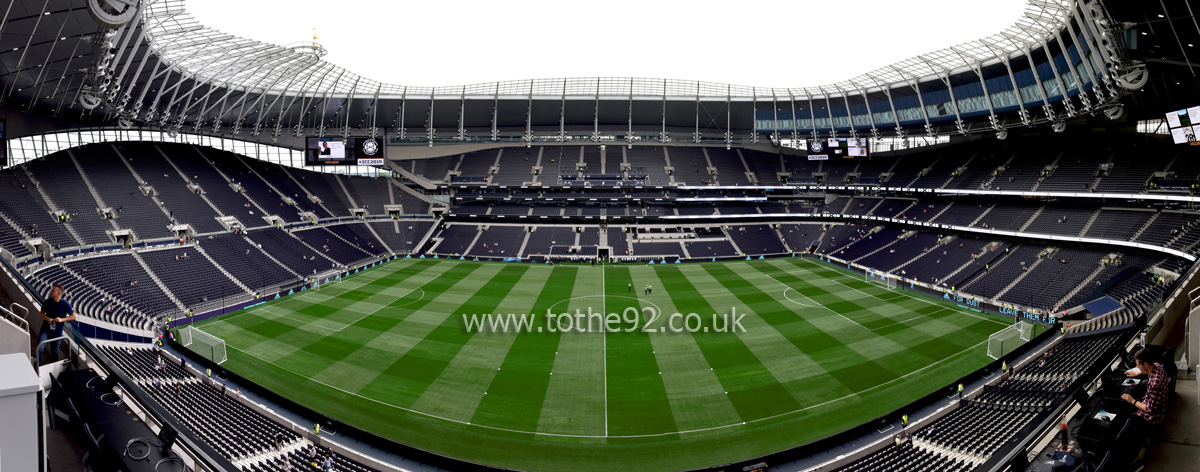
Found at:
[221, 251]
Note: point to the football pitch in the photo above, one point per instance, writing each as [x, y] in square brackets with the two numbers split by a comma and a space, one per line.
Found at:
[780, 352]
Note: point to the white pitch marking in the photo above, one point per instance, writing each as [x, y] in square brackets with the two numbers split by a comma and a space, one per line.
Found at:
[835, 280]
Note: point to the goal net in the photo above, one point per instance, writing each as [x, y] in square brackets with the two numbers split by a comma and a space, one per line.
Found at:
[185, 335]
[204, 344]
[1002, 342]
[881, 278]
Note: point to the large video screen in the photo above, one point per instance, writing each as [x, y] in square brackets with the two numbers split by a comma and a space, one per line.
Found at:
[1183, 125]
[839, 147]
[354, 151]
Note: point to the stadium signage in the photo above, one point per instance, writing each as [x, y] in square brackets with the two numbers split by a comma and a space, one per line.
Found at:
[1028, 316]
[971, 302]
[370, 162]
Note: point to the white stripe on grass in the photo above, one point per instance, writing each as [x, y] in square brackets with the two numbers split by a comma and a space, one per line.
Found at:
[917, 298]
[586, 436]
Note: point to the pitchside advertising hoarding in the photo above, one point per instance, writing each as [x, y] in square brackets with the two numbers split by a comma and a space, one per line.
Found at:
[352, 151]
[1184, 125]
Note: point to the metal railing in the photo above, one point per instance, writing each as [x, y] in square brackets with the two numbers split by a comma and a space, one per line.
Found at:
[11, 315]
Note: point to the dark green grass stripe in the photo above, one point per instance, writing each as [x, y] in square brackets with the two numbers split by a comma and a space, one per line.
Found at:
[518, 390]
[637, 397]
[854, 309]
[853, 370]
[753, 391]
[409, 376]
[915, 301]
[322, 352]
[922, 347]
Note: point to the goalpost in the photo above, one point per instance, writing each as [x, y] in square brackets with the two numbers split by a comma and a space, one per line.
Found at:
[878, 277]
[191, 335]
[1003, 341]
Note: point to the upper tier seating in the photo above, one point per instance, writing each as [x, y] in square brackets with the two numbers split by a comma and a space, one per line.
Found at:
[62, 182]
[182, 204]
[20, 201]
[120, 191]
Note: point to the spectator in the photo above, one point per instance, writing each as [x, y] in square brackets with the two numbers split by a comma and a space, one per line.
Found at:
[55, 314]
[1151, 409]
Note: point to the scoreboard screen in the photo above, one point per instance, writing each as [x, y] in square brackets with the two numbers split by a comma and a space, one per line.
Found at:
[353, 151]
[1184, 125]
[839, 148]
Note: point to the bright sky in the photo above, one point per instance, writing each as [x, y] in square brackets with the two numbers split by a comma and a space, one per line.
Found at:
[777, 43]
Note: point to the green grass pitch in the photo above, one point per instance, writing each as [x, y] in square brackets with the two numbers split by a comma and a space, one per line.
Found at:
[387, 351]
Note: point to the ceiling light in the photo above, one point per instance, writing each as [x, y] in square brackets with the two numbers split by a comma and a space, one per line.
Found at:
[64, 38]
[1160, 16]
[1145, 33]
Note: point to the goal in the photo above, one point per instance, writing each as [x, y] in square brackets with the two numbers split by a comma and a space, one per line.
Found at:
[203, 343]
[882, 278]
[1003, 341]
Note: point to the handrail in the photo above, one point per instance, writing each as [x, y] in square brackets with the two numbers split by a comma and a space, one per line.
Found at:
[20, 321]
[74, 347]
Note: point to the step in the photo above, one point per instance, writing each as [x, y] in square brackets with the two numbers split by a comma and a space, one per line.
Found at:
[419, 180]
[478, 233]
[159, 282]
[269, 256]
[346, 191]
[321, 253]
[1088, 225]
[50, 206]
[885, 246]
[1019, 278]
[307, 191]
[1078, 288]
[981, 215]
[203, 195]
[945, 240]
[1031, 218]
[237, 282]
[138, 177]
[1011, 250]
[732, 242]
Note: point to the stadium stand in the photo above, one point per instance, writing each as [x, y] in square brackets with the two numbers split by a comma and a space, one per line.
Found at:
[245, 261]
[28, 213]
[63, 185]
[334, 247]
[179, 269]
[182, 204]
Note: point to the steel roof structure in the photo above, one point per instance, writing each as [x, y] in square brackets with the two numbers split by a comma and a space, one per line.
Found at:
[150, 64]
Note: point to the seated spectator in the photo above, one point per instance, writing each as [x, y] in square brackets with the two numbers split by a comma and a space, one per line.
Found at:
[1152, 408]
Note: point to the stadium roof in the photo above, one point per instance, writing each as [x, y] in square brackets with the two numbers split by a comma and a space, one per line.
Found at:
[153, 64]
[246, 64]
